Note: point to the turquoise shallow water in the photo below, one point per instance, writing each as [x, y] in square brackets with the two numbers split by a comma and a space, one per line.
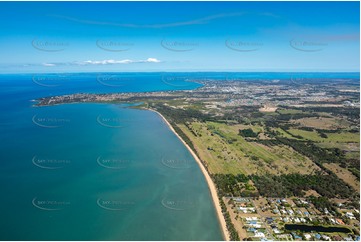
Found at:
[101, 172]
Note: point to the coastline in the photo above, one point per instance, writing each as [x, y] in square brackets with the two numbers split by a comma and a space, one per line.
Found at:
[211, 186]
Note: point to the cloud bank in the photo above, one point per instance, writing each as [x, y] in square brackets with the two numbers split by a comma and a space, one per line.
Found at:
[103, 62]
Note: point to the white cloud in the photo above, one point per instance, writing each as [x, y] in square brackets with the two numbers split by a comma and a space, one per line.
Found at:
[48, 64]
[103, 62]
[112, 62]
[153, 60]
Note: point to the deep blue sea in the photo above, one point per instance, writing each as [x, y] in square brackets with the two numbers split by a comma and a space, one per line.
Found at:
[101, 171]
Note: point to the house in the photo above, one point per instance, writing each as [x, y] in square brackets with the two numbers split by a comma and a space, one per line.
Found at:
[296, 236]
[325, 237]
[285, 236]
[317, 236]
[240, 199]
[336, 238]
[255, 225]
[259, 234]
[276, 231]
[307, 236]
[276, 211]
[247, 209]
[339, 221]
[350, 215]
[269, 220]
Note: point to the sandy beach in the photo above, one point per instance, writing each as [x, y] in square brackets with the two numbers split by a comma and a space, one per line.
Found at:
[210, 183]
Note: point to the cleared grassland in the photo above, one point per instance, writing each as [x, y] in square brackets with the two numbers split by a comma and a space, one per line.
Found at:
[344, 175]
[290, 111]
[224, 151]
[342, 137]
[322, 123]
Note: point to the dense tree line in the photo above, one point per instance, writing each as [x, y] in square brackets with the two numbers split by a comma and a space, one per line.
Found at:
[248, 133]
[182, 115]
[230, 227]
[322, 202]
[353, 114]
[286, 185]
[232, 185]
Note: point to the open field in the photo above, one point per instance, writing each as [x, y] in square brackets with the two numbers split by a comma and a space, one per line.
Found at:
[342, 136]
[344, 174]
[226, 152]
[322, 123]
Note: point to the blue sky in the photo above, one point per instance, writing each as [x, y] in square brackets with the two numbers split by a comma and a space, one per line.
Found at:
[179, 36]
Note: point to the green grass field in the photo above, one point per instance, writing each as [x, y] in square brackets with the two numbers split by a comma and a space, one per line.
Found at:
[342, 137]
[225, 151]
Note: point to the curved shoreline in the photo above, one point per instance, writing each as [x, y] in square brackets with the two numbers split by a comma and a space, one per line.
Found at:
[211, 185]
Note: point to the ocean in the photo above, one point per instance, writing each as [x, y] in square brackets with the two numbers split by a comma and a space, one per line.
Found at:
[101, 171]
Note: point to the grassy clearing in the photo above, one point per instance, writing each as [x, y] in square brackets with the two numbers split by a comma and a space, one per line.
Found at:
[227, 152]
[350, 147]
[290, 111]
[353, 155]
[341, 137]
[344, 175]
[322, 123]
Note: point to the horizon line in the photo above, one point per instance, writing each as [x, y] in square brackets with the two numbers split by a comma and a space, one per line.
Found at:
[78, 72]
